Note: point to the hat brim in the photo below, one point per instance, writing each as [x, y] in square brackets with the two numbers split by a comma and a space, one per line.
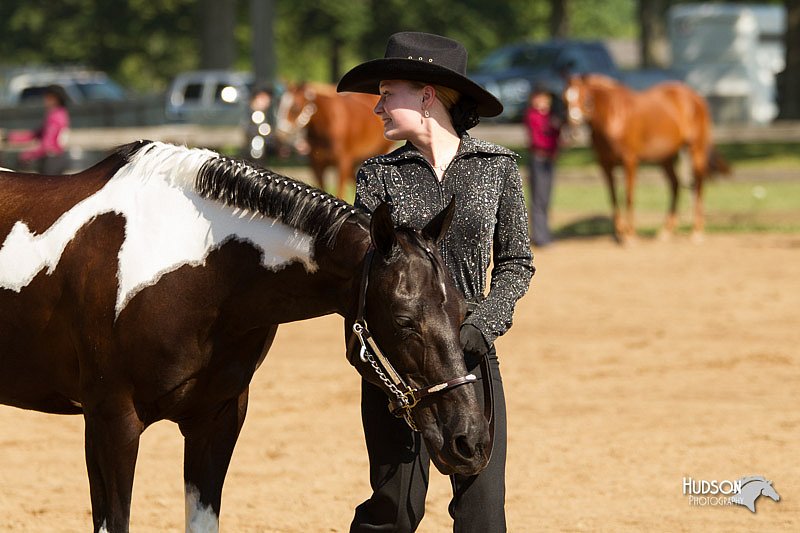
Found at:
[365, 78]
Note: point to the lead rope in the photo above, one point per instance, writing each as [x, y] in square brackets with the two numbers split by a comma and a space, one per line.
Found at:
[402, 397]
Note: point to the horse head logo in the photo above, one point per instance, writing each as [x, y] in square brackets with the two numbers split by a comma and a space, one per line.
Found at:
[752, 488]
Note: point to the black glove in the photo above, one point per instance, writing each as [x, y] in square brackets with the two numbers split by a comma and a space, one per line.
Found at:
[474, 345]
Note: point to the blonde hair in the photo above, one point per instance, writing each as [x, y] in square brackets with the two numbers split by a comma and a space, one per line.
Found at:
[447, 96]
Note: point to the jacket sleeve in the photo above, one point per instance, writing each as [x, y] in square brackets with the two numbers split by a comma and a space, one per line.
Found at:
[370, 190]
[513, 262]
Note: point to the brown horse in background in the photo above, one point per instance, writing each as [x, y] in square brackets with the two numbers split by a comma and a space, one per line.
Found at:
[629, 127]
[341, 129]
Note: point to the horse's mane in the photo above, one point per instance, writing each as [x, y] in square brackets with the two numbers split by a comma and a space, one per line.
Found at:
[242, 185]
[326, 89]
[602, 81]
[749, 479]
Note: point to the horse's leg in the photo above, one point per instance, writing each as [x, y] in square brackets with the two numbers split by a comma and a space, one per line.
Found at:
[672, 219]
[209, 439]
[608, 173]
[699, 212]
[630, 185]
[699, 156]
[112, 444]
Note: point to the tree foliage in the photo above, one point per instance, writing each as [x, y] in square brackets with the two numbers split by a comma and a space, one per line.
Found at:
[139, 41]
[144, 43]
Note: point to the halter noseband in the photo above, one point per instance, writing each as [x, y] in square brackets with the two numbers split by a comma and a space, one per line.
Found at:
[402, 397]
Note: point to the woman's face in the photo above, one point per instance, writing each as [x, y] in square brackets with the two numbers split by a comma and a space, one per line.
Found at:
[400, 109]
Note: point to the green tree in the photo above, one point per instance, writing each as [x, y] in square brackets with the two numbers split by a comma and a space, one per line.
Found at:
[141, 42]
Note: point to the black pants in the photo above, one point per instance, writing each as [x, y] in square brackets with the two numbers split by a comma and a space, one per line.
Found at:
[399, 469]
[540, 180]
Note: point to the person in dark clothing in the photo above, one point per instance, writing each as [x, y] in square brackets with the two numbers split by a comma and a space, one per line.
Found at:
[259, 126]
[544, 130]
[427, 101]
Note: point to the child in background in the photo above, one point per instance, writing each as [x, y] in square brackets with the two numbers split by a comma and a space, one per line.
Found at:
[544, 129]
[49, 155]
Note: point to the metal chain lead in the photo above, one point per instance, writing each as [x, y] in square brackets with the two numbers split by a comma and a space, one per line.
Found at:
[366, 356]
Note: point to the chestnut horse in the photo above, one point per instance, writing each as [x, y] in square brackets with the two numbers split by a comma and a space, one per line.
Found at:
[151, 286]
[341, 129]
[629, 127]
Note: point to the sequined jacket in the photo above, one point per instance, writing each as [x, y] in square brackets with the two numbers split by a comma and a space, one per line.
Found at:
[490, 222]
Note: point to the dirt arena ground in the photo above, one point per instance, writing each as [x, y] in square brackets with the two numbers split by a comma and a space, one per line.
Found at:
[626, 371]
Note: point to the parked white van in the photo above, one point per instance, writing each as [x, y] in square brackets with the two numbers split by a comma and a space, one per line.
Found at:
[730, 53]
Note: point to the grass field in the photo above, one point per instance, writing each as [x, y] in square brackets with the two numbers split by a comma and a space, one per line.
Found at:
[582, 207]
[763, 194]
[760, 155]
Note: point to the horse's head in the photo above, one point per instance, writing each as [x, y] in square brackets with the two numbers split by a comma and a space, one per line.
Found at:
[414, 311]
[297, 106]
[768, 490]
[577, 97]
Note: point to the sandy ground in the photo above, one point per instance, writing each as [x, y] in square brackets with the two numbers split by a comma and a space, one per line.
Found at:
[626, 371]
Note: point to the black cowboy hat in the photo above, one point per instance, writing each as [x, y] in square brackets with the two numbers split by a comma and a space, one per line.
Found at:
[421, 57]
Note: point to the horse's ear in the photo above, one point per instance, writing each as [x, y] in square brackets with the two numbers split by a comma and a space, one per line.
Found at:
[381, 230]
[438, 226]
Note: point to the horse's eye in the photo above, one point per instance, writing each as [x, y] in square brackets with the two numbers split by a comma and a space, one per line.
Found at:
[404, 322]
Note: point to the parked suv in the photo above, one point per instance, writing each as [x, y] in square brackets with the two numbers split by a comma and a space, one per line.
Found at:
[512, 71]
[209, 97]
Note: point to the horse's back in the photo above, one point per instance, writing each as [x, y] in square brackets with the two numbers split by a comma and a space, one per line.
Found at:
[40, 200]
[686, 107]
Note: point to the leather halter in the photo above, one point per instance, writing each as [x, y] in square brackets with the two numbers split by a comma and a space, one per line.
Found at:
[403, 397]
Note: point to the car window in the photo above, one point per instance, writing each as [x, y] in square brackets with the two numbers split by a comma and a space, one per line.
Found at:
[192, 92]
[585, 59]
[499, 60]
[528, 57]
[598, 59]
[100, 90]
[31, 94]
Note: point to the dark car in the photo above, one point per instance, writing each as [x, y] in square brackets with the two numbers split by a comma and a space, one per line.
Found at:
[512, 71]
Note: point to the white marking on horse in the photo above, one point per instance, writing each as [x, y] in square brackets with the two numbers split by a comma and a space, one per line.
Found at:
[168, 225]
[199, 518]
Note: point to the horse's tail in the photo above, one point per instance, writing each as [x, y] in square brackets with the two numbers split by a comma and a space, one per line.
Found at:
[718, 164]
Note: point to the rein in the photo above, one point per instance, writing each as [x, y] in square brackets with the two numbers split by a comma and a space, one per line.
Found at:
[402, 396]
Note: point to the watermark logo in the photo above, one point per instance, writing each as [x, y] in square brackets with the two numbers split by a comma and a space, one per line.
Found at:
[744, 491]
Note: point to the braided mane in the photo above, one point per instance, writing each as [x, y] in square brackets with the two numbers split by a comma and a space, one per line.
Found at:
[240, 184]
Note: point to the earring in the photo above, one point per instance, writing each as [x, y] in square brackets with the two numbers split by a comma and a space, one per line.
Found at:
[425, 112]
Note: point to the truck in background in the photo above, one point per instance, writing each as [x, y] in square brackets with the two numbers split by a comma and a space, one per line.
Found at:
[730, 54]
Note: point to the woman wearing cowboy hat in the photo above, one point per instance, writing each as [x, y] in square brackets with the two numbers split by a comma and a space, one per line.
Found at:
[427, 101]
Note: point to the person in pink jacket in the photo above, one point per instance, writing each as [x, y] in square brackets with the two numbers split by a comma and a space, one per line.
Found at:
[49, 155]
[544, 129]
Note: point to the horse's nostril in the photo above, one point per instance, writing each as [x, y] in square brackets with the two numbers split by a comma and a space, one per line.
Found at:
[464, 447]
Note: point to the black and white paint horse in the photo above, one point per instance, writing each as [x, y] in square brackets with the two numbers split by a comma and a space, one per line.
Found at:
[151, 285]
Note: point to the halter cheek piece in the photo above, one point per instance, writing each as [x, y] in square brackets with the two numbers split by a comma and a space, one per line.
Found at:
[403, 397]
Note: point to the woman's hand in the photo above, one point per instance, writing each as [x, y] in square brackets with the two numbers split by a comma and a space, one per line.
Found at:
[474, 345]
